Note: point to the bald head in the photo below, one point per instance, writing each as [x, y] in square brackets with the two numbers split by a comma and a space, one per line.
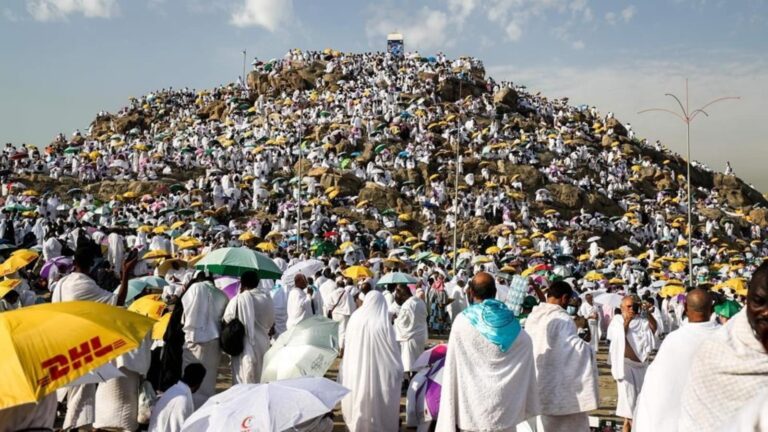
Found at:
[483, 286]
[300, 281]
[698, 305]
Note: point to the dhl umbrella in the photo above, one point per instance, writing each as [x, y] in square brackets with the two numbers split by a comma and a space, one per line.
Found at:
[25, 255]
[358, 272]
[45, 347]
[158, 330]
[14, 264]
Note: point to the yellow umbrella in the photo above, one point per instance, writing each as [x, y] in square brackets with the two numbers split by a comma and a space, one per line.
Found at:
[13, 264]
[405, 217]
[30, 192]
[246, 236]
[273, 234]
[168, 263]
[192, 261]
[594, 276]
[738, 285]
[25, 255]
[149, 306]
[348, 244]
[406, 234]
[677, 267]
[187, 243]
[144, 229]
[130, 194]
[7, 285]
[158, 330]
[155, 254]
[177, 225]
[266, 247]
[418, 245]
[50, 345]
[493, 250]
[160, 230]
[358, 272]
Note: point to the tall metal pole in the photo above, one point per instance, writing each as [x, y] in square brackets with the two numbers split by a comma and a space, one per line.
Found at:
[245, 82]
[456, 192]
[298, 206]
[687, 117]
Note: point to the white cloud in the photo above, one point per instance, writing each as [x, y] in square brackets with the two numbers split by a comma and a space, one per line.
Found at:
[269, 14]
[611, 18]
[628, 13]
[513, 31]
[625, 89]
[59, 10]
[427, 29]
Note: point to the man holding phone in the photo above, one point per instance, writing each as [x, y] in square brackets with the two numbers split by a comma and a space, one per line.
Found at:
[632, 335]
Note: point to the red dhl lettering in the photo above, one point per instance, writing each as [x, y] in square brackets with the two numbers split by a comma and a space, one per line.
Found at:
[76, 357]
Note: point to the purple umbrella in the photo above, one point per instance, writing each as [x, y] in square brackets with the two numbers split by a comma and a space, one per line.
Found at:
[63, 264]
[230, 285]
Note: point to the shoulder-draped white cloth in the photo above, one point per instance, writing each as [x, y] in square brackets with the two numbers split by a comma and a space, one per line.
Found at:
[371, 369]
[728, 371]
[566, 370]
[485, 389]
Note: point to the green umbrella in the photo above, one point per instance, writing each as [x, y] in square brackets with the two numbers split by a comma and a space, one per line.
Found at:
[177, 187]
[389, 212]
[185, 212]
[422, 256]
[345, 163]
[395, 278]
[71, 150]
[380, 148]
[324, 248]
[727, 309]
[238, 260]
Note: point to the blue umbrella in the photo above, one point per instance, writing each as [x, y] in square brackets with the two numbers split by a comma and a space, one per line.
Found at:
[136, 286]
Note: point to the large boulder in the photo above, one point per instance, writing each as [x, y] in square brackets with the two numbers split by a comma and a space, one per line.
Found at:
[453, 89]
[759, 216]
[348, 183]
[737, 193]
[565, 195]
[529, 176]
[505, 100]
[383, 198]
[617, 127]
[213, 111]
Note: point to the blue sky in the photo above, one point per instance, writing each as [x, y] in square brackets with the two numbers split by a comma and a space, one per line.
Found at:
[64, 60]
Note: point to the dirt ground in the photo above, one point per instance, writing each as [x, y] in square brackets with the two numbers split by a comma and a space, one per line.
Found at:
[607, 388]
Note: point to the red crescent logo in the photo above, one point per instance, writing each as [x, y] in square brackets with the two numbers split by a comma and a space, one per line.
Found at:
[246, 424]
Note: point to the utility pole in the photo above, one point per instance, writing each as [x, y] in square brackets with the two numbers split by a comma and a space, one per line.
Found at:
[687, 116]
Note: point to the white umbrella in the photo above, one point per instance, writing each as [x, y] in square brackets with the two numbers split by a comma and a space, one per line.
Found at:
[308, 268]
[273, 407]
[609, 299]
[307, 349]
[593, 239]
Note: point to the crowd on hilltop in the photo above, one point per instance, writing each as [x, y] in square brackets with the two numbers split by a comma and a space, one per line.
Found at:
[357, 166]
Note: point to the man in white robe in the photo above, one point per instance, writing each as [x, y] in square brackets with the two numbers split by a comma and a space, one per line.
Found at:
[659, 403]
[176, 404]
[256, 311]
[78, 286]
[115, 252]
[632, 340]
[566, 369]
[299, 303]
[410, 326]
[591, 313]
[731, 368]
[489, 379]
[204, 306]
[371, 369]
[341, 307]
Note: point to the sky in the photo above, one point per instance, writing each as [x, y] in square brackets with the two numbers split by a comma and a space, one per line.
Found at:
[65, 60]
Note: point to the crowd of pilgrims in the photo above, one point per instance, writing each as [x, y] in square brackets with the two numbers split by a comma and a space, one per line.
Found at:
[509, 358]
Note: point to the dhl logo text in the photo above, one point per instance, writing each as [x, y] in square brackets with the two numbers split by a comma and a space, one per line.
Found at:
[76, 357]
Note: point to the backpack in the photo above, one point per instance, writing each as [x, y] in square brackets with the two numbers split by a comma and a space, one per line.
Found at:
[232, 336]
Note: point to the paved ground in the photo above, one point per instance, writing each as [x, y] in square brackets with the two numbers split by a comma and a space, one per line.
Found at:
[605, 411]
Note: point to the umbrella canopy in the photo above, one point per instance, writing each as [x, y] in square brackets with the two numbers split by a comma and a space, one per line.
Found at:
[273, 407]
[149, 305]
[236, 261]
[358, 272]
[49, 345]
[609, 299]
[308, 268]
[307, 349]
[63, 264]
[394, 278]
[230, 285]
[727, 309]
[137, 285]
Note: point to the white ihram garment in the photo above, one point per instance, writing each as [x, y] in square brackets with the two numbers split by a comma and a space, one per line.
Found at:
[171, 409]
[371, 369]
[629, 374]
[411, 330]
[299, 307]
[257, 313]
